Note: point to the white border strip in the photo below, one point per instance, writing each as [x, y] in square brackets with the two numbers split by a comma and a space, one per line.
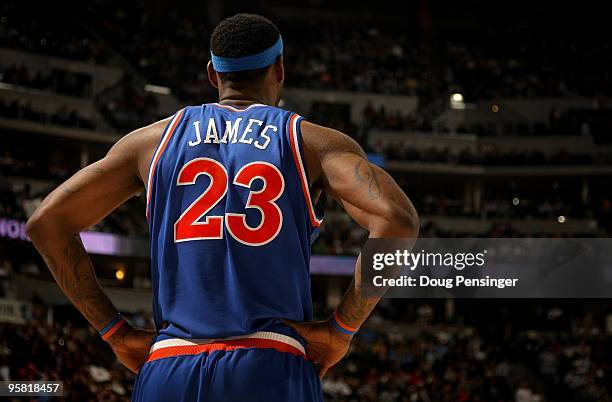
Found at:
[302, 172]
[162, 146]
[263, 335]
[238, 110]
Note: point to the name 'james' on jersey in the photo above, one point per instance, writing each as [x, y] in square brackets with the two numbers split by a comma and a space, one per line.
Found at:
[231, 222]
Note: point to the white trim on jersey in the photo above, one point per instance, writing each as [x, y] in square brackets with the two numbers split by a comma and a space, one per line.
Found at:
[314, 219]
[238, 110]
[160, 150]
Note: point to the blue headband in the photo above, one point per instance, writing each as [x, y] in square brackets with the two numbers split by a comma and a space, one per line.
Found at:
[252, 62]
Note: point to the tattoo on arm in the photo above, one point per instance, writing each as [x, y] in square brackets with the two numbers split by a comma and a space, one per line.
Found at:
[74, 273]
[354, 307]
[369, 176]
[74, 252]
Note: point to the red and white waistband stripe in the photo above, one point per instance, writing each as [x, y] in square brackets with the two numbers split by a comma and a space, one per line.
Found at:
[257, 340]
[295, 148]
[158, 153]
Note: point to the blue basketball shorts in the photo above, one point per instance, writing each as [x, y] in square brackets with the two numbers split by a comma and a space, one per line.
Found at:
[260, 367]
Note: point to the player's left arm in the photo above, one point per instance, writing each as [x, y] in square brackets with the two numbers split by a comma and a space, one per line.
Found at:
[77, 204]
[338, 166]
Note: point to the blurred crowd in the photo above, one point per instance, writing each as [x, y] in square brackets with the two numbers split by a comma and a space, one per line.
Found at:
[528, 60]
[66, 352]
[364, 59]
[19, 200]
[521, 62]
[569, 122]
[43, 29]
[339, 234]
[27, 177]
[129, 107]
[21, 167]
[517, 208]
[63, 116]
[402, 150]
[57, 80]
[432, 362]
[462, 366]
[171, 49]
[484, 62]
[342, 236]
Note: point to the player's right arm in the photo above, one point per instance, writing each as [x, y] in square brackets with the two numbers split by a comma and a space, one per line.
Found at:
[80, 202]
[337, 165]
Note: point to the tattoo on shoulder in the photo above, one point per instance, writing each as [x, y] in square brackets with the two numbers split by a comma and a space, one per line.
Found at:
[365, 173]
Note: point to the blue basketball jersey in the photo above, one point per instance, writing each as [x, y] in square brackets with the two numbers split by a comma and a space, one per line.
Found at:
[231, 222]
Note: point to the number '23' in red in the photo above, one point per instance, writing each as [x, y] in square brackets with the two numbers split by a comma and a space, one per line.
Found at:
[189, 225]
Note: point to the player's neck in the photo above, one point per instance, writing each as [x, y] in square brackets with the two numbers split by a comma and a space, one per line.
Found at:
[242, 97]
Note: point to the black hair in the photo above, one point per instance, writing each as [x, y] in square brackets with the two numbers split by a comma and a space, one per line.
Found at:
[243, 35]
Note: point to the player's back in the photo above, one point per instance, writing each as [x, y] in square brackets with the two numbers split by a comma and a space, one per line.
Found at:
[231, 222]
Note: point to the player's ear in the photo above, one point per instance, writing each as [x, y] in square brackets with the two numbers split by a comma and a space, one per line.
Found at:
[212, 75]
[279, 69]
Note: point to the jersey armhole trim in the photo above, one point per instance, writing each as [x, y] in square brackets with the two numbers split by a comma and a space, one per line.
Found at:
[294, 139]
[170, 129]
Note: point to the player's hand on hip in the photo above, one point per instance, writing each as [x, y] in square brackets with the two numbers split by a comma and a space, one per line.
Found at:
[131, 346]
[325, 346]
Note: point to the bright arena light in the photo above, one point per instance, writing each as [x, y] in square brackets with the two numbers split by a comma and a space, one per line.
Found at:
[457, 97]
[157, 89]
[516, 201]
[456, 101]
[561, 219]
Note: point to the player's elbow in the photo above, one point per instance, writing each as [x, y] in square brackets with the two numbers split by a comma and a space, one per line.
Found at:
[407, 221]
[397, 221]
[34, 226]
[38, 225]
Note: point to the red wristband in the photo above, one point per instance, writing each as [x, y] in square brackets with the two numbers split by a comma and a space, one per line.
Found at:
[110, 329]
[342, 327]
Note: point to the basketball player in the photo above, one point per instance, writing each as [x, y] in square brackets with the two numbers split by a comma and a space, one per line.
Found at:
[232, 190]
